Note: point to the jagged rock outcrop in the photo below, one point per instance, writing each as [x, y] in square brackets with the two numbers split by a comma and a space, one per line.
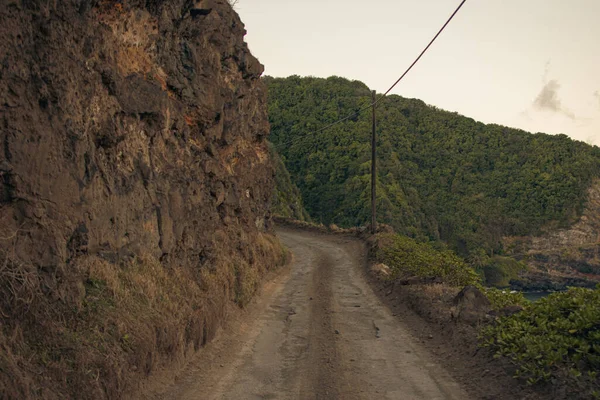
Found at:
[128, 127]
[133, 136]
[563, 257]
[583, 233]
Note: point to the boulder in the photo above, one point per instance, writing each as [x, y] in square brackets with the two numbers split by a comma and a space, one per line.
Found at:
[471, 305]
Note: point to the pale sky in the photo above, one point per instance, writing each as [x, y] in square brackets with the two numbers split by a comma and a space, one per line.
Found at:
[530, 64]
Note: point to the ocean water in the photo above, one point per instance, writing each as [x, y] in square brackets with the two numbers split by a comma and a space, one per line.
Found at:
[535, 296]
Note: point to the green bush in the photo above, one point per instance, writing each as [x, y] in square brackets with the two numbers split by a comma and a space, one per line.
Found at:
[407, 258]
[499, 271]
[501, 299]
[557, 337]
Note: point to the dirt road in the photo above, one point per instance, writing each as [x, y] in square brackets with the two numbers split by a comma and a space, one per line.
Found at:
[317, 332]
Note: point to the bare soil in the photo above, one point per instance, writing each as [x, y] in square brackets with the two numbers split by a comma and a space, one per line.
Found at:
[318, 331]
[454, 344]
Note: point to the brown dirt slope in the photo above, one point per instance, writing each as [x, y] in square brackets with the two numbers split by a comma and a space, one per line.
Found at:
[134, 189]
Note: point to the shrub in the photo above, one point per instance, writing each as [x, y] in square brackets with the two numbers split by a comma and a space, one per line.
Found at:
[407, 257]
[557, 337]
[501, 298]
[501, 270]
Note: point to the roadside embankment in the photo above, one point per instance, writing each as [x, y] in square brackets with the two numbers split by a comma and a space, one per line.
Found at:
[493, 339]
[489, 339]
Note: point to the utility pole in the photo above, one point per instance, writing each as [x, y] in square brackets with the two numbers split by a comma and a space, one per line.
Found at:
[373, 172]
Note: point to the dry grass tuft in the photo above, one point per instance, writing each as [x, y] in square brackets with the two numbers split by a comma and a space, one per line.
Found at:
[438, 292]
[93, 329]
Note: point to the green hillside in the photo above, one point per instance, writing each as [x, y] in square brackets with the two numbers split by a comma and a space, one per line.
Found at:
[441, 175]
[287, 199]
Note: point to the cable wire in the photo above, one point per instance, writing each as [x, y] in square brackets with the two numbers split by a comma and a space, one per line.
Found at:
[373, 104]
[423, 52]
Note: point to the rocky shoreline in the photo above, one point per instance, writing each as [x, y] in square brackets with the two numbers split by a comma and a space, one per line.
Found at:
[538, 282]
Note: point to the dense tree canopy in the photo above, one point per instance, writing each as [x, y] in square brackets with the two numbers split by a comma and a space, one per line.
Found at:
[287, 200]
[441, 175]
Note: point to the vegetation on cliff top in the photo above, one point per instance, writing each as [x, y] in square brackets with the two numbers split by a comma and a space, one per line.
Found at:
[441, 175]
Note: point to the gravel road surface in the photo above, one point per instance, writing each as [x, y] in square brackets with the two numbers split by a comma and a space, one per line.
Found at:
[317, 331]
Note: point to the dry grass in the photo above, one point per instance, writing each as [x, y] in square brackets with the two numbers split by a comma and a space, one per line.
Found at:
[438, 292]
[103, 327]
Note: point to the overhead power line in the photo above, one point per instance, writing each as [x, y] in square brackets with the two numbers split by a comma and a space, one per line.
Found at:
[374, 103]
[423, 52]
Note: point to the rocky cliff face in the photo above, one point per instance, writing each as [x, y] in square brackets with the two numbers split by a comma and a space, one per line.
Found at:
[565, 257]
[584, 233]
[132, 139]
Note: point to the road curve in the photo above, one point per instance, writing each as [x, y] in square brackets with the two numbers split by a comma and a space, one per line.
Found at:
[318, 332]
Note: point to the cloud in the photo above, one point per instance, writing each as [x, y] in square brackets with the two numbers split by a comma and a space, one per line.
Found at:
[549, 100]
[547, 70]
[525, 115]
[597, 96]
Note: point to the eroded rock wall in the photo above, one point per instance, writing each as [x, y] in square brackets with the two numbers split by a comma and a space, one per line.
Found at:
[128, 126]
[130, 130]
